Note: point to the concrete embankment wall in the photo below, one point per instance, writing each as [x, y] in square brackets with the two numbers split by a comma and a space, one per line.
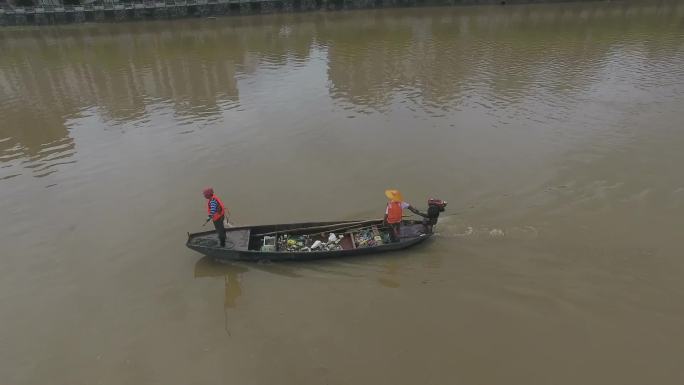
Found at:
[156, 10]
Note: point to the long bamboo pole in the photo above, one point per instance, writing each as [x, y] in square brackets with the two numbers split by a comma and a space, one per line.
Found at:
[342, 224]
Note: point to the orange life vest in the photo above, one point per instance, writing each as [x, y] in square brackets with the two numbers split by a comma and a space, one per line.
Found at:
[220, 211]
[394, 212]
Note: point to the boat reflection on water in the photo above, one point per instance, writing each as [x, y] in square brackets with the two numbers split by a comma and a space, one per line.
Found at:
[232, 276]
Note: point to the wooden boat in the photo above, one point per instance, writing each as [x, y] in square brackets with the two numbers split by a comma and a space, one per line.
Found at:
[246, 243]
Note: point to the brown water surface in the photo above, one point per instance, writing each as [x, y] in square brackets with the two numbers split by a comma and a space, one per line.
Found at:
[556, 133]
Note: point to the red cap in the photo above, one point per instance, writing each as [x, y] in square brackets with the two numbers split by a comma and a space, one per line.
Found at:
[208, 192]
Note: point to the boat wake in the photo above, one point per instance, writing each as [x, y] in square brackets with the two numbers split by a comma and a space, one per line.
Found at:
[460, 229]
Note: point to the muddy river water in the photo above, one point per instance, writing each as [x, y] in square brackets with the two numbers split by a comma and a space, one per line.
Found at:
[555, 132]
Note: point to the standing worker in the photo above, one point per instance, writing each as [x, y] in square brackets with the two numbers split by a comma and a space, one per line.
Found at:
[394, 212]
[216, 212]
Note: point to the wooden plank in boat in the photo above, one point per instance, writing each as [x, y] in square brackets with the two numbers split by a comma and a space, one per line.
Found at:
[347, 242]
[239, 239]
[350, 235]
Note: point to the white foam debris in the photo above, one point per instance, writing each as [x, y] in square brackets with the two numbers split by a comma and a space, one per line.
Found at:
[496, 233]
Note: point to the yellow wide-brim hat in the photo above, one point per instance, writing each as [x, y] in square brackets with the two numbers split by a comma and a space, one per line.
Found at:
[394, 195]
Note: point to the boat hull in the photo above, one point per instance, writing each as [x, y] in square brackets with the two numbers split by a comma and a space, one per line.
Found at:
[236, 250]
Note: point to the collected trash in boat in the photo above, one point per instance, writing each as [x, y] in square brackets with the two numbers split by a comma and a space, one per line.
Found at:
[268, 244]
[365, 237]
[306, 243]
[371, 238]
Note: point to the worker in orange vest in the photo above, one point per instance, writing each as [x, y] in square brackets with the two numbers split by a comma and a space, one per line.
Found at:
[216, 213]
[394, 213]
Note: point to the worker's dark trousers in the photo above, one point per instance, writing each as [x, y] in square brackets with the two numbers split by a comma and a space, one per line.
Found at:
[220, 231]
[395, 231]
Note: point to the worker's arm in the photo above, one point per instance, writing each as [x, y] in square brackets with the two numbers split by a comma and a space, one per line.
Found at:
[415, 211]
[213, 207]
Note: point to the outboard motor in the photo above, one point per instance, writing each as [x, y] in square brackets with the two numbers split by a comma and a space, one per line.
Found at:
[435, 206]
